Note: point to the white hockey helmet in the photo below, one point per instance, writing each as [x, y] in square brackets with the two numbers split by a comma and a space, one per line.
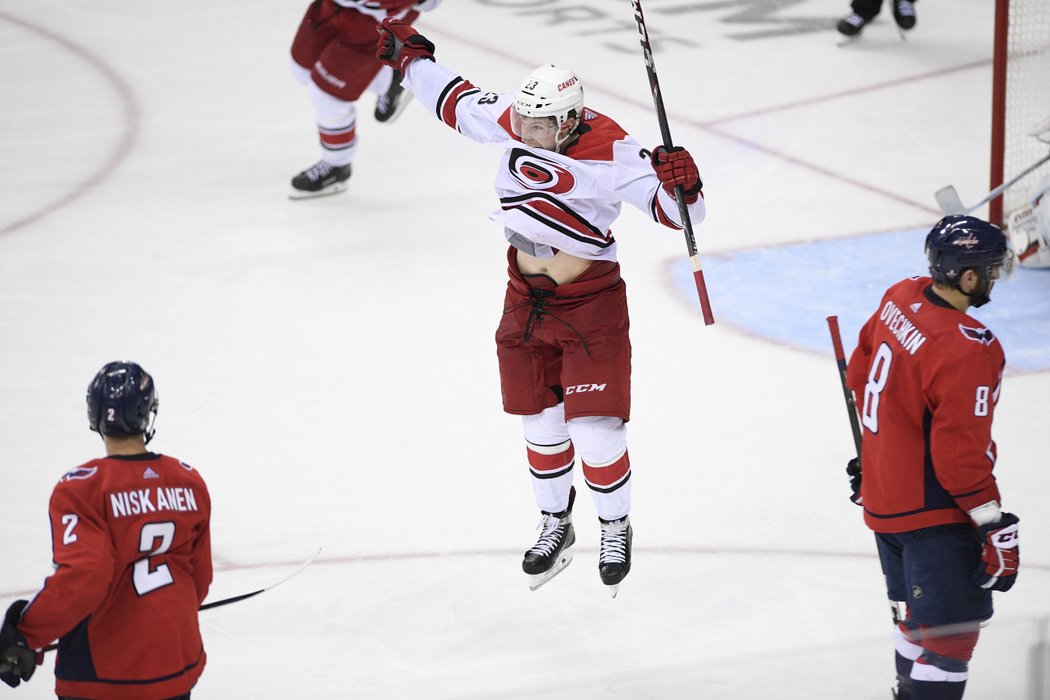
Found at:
[550, 91]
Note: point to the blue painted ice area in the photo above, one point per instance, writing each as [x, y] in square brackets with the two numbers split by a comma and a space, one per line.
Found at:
[786, 292]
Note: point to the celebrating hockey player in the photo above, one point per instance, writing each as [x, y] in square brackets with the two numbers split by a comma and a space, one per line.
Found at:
[1029, 228]
[563, 347]
[333, 54]
[132, 555]
[927, 378]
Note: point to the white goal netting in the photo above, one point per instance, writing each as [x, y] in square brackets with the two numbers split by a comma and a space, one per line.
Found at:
[1022, 79]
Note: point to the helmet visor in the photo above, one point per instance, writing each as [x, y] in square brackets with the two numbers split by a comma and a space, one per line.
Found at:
[534, 131]
[1005, 267]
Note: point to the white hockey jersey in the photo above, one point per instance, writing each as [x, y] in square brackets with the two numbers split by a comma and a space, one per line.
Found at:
[551, 201]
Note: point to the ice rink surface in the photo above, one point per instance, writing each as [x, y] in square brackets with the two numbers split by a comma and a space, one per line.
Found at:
[329, 365]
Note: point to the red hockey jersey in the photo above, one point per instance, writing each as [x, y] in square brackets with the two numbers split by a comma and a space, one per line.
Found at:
[926, 378]
[132, 557]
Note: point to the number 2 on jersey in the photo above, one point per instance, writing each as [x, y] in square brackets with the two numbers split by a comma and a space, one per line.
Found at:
[145, 579]
[878, 375]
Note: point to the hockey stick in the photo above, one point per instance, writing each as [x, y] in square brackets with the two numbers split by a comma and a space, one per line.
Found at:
[665, 131]
[948, 200]
[840, 358]
[237, 598]
[245, 596]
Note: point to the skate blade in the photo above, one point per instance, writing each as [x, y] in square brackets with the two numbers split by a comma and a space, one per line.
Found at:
[614, 589]
[330, 190]
[847, 40]
[537, 580]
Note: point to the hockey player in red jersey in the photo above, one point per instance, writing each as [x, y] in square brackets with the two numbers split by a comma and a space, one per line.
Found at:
[563, 346]
[132, 555]
[926, 377]
[333, 55]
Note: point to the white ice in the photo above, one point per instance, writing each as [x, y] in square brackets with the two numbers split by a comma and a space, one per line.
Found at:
[329, 365]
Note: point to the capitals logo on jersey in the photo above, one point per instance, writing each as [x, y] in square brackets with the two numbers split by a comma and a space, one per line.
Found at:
[536, 172]
[978, 335]
[79, 473]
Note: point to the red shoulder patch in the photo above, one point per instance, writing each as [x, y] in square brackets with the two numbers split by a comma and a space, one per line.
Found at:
[598, 135]
[504, 121]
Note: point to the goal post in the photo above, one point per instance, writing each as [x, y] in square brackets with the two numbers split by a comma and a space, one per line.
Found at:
[1020, 99]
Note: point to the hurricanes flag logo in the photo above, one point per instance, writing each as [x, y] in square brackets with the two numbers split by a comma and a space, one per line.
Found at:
[535, 172]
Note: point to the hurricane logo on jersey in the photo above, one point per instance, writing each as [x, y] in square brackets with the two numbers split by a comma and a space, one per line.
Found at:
[535, 172]
[978, 335]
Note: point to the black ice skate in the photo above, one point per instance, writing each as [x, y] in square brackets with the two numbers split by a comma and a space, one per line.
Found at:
[904, 14]
[614, 558]
[392, 103]
[850, 27]
[320, 179]
[553, 551]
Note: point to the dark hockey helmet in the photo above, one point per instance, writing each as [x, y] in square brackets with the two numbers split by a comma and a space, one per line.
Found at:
[122, 401]
[959, 243]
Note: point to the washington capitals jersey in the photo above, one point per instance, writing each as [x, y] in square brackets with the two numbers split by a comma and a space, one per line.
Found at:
[926, 377]
[132, 557]
[555, 201]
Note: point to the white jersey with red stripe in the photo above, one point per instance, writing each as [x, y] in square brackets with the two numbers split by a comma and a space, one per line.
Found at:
[551, 201]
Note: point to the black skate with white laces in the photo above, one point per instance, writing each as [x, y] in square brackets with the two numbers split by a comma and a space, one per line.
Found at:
[553, 550]
[320, 179]
[850, 27]
[904, 15]
[392, 103]
[614, 557]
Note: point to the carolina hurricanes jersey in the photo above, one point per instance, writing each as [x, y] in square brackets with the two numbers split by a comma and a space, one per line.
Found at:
[553, 201]
[926, 377]
[132, 557]
[372, 8]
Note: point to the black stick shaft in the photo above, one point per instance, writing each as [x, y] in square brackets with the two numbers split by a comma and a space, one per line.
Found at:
[840, 359]
[236, 598]
[665, 133]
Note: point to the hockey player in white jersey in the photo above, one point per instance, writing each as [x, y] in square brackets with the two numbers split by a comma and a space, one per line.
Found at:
[333, 56]
[562, 344]
[1029, 228]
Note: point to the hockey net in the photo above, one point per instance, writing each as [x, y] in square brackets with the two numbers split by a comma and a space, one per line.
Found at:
[1020, 98]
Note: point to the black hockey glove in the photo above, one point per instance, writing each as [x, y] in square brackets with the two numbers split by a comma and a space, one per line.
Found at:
[399, 44]
[1000, 554]
[17, 660]
[853, 471]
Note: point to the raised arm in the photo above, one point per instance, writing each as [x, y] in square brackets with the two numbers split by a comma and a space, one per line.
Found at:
[452, 99]
[647, 181]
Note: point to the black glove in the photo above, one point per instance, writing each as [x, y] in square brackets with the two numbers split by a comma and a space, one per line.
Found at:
[1000, 554]
[399, 44]
[853, 470]
[17, 660]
